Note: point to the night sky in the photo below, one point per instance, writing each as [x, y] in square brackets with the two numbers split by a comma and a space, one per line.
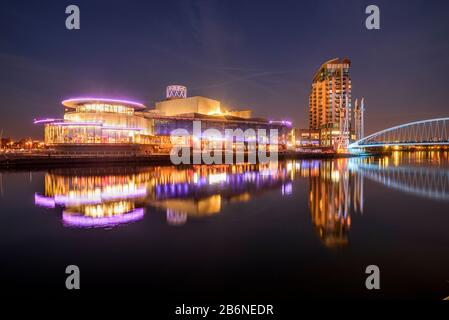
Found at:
[249, 54]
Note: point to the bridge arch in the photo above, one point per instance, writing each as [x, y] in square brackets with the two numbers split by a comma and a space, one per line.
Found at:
[417, 133]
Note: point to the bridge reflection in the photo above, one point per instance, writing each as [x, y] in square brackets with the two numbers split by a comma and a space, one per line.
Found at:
[424, 174]
[108, 197]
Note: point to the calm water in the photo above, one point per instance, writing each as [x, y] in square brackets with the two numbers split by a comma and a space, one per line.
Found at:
[305, 228]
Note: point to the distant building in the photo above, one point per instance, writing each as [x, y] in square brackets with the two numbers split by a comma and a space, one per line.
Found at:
[330, 101]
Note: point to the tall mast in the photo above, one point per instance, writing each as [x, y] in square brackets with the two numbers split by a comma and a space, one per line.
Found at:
[362, 118]
[356, 119]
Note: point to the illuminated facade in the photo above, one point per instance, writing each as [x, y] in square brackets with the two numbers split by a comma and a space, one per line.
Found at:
[330, 99]
[175, 106]
[98, 121]
[307, 138]
[89, 123]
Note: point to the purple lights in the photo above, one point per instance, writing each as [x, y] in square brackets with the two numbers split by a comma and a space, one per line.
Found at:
[283, 122]
[72, 103]
[80, 221]
[92, 198]
[42, 201]
[68, 123]
[287, 189]
[47, 120]
[60, 122]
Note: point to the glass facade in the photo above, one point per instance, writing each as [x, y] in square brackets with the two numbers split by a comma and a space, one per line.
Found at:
[82, 134]
[165, 126]
[102, 123]
[102, 107]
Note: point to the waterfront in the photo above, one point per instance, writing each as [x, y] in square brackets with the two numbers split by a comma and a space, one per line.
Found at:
[298, 228]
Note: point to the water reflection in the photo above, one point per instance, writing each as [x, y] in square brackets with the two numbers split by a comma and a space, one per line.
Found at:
[334, 193]
[107, 197]
[426, 181]
[94, 197]
[99, 197]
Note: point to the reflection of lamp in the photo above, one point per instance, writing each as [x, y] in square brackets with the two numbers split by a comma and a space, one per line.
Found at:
[42, 201]
[287, 189]
[217, 178]
[176, 218]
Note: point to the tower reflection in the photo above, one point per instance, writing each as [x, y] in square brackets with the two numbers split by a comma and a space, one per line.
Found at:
[335, 192]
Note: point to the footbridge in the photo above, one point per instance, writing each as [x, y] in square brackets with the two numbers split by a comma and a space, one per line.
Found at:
[432, 132]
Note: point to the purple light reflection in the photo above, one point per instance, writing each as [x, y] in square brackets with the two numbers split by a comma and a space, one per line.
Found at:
[137, 193]
[43, 201]
[80, 221]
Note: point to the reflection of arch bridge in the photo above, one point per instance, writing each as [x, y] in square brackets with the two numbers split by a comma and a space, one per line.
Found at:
[418, 133]
[422, 181]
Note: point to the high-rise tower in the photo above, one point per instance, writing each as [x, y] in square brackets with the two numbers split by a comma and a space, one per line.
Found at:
[329, 99]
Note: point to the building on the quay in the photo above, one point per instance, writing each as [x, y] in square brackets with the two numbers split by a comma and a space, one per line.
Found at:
[307, 138]
[122, 126]
[98, 121]
[330, 101]
[332, 119]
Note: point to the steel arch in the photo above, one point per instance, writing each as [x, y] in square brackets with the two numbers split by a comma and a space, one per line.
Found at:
[424, 132]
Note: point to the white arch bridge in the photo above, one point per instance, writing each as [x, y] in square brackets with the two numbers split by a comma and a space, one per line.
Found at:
[432, 132]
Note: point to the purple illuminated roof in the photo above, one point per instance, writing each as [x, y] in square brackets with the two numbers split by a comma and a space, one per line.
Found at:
[72, 103]
[47, 120]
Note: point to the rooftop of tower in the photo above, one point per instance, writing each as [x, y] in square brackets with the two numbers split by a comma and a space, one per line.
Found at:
[333, 62]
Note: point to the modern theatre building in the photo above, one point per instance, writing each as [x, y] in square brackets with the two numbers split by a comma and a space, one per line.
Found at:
[103, 124]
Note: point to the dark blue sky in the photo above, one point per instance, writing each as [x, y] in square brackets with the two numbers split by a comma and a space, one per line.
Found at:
[250, 54]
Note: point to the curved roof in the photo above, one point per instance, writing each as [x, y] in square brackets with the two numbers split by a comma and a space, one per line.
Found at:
[72, 103]
[331, 61]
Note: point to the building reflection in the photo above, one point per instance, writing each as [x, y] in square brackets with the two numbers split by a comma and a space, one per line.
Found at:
[105, 197]
[94, 197]
[336, 187]
[335, 192]
[108, 197]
